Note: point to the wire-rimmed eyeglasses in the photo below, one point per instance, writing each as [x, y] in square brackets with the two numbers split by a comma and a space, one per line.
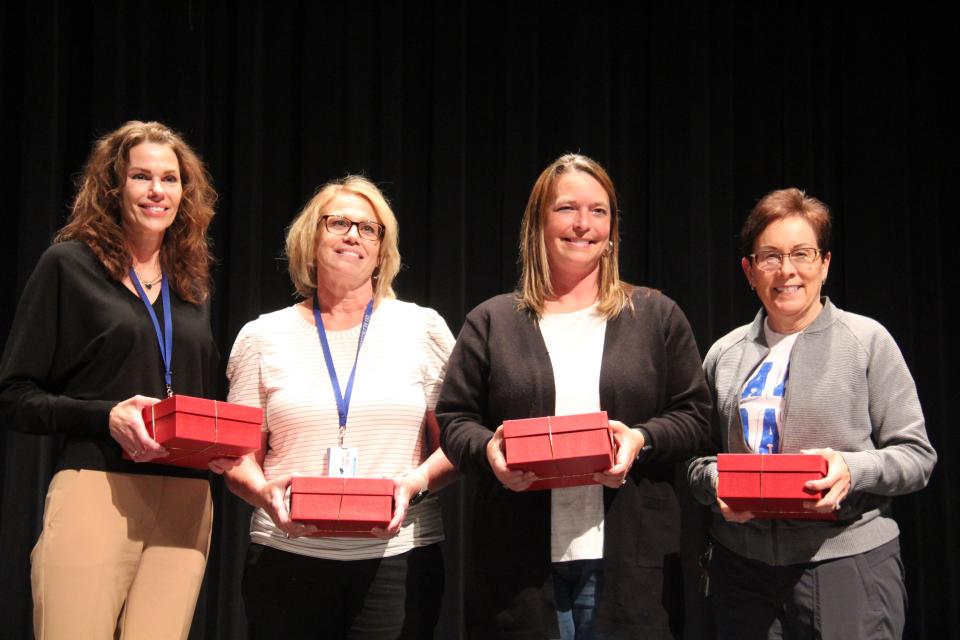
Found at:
[802, 259]
[341, 226]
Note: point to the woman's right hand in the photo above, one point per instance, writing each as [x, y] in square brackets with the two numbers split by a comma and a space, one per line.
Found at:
[127, 428]
[729, 514]
[733, 516]
[273, 494]
[513, 480]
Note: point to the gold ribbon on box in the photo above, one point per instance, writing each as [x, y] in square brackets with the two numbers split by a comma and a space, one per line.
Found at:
[553, 457]
[187, 452]
[334, 528]
[553, 454]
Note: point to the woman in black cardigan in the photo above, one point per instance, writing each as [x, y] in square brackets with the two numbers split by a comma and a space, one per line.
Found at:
[575, 338]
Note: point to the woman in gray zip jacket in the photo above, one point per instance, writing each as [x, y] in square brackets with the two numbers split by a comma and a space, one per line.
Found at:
[807, 377]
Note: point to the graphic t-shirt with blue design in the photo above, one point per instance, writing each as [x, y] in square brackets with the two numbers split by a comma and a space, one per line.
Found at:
[761, 400]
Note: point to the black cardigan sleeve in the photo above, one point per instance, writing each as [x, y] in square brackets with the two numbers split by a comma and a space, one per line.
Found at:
[462, 405]
[682, 429]
[27, 402]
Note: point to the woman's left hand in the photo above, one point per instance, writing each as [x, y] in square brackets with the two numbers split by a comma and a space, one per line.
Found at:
[629, 443]
[221, 465]
[836, 482]
[405, 487]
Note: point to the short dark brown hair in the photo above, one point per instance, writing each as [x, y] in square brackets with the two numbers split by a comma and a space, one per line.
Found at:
[786, 203]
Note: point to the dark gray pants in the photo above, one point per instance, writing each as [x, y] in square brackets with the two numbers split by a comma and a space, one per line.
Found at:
[861, 596]
[297, 597]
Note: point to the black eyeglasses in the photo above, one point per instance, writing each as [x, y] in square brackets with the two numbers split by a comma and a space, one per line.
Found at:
[802, 259]
[341, 226]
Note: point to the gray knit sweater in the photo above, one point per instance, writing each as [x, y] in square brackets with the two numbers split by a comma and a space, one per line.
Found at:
[849, 389]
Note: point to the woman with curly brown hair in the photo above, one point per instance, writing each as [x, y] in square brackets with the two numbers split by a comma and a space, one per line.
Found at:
[114, 317]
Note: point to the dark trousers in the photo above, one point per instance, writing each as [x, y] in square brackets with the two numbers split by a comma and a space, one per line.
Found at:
[861, 596]
[290, 596]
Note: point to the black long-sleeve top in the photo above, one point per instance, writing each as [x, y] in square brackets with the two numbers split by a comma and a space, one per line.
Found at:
[651, 378]
[80, 343]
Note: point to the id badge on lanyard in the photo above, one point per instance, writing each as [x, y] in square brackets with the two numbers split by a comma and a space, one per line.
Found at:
[342, 461]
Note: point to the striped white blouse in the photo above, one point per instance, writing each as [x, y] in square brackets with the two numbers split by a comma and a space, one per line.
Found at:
[277, 364]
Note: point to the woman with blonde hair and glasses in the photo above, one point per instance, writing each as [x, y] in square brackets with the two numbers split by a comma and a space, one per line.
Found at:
[592, 561]
[115, 316]
[807, 377]
[348, 371]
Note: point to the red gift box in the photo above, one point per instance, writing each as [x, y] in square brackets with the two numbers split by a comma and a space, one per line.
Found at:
[564, 451]
[196, 430]
[771, 485]
[342, 507]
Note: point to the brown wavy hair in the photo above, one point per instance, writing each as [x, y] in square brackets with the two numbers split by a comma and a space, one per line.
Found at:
[536, 287]
[95, 216]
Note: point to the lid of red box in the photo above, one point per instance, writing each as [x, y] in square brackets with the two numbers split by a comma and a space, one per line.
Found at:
[343, 486]
[774, 462]
[555, 424]
[795, 462]
[204, 407]
[739, 461]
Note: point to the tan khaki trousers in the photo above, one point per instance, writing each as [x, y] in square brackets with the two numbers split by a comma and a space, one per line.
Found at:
[120, 555]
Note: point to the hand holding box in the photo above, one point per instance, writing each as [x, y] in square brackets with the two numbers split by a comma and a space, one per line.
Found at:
[564, 451]
[771, 486]
[197, 430]
[342, 507]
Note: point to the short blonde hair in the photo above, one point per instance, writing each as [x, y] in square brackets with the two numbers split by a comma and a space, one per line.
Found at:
[535, 284]
[301, 241]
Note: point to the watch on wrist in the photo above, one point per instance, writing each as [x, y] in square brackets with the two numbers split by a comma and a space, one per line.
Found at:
[647, 443]
[421, 495]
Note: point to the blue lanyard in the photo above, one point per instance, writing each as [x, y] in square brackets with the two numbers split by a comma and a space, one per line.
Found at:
[343, 399]
[164, 340]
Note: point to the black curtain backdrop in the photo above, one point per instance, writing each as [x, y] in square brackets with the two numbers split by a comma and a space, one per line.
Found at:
[454, 107]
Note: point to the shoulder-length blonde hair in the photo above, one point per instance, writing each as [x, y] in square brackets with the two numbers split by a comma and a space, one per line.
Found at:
[95, 216]
[535, 284]
[302, 237]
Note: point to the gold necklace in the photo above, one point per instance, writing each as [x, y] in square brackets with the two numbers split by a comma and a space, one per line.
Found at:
[149, 285]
